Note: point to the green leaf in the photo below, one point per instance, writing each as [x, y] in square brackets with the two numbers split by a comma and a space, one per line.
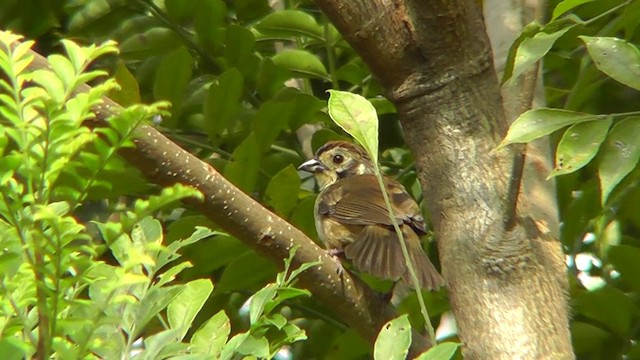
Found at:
[271, 119]
[565, 6]
[610, 307]
[154, 344]
[287, 23]
[271, 78]
[223, 103]
[620, 155]
[324, 135]
[531, 46]
[537, 123]
[209, 24]
[247, 271]
[625, 259]
[172, 78]
[129, 91]
[579, 144]
[442, 351]
[245, 165]
[210, 338]
[259, 300]
[13, 349]
[588, 339]
[256, 346]
[170, 274]
[617, 58]
[240, 44]
[184, 308]
[302, 63]
[154, 301]
[357, 117]
[393, 340]
[282, 191]
[153, 42]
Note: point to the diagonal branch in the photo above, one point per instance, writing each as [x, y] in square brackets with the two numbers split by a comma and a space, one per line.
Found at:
[165, 163]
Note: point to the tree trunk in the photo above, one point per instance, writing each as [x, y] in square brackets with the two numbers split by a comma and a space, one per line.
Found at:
[506, 278]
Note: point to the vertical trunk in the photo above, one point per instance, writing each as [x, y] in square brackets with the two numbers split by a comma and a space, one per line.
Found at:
[506, 278]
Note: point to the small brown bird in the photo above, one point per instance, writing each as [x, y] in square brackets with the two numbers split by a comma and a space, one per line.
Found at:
[351, 216]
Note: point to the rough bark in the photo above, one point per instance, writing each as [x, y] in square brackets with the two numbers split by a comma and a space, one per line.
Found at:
[165, 163]
[505, 278]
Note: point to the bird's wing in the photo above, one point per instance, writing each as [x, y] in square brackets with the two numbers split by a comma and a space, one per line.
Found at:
[357, 200]
[378, 252]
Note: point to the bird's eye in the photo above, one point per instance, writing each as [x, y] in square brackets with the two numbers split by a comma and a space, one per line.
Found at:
[338, 159]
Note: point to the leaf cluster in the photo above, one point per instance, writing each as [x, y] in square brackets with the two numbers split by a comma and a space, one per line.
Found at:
[590, 65]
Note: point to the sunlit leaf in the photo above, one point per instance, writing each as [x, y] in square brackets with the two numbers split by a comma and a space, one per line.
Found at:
[620, 154]
[184, 308]
[579, 145]
[210, 338]
[442, 351]
[617, 58]
[565, 6]
[302, 63]
[534, 43]
[357, 117]
[393, 340]
[537, 123]
[286, 23]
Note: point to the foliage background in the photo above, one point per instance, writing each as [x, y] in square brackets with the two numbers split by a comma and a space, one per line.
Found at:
[247, 85]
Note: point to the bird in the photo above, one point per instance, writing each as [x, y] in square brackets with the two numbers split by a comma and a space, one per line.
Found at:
[352, 219]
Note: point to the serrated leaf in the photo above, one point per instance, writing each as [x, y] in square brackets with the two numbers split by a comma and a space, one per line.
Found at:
[393, 340]
[281, 193]
[303, 63]
[617, 58]
[537, 123]
[210, 338]
[184, 308]
[620, 155]
[357, 117]
[286, 23]
[579, 145]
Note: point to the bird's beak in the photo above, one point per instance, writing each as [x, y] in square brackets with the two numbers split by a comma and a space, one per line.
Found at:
[312, 166]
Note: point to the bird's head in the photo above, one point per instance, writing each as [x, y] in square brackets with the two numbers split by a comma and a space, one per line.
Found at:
[337, 160]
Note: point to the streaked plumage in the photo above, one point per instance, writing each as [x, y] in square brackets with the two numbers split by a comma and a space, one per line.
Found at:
[351, 215]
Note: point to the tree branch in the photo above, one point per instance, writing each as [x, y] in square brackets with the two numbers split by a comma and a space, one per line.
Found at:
[165, 163]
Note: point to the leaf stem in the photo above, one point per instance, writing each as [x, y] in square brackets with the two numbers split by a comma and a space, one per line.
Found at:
[407, 258]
